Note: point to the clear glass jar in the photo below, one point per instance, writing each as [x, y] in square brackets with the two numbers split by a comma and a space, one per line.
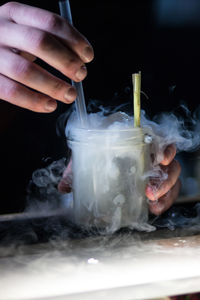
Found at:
[108, 178]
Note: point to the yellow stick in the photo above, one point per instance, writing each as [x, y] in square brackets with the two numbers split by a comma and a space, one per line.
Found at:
[136, 79]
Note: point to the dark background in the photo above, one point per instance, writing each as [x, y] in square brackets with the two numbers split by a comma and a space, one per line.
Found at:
[160, 38]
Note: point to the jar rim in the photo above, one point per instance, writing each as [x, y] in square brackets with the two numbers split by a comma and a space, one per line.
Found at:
[91, 136]
[139, 129]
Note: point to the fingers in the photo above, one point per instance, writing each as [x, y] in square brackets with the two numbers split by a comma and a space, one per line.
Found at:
[52, 23]
[45, 46]
[164, 203]
[24, 54]
[24, 71]
[19, 95]
[169, 155]
[29, 33]
[162, 193]
[65, 184]
[156, 188]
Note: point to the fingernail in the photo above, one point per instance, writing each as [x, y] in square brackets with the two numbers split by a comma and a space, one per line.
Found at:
[51, 105]
[88, 54]
[70, 95]
[81, 73]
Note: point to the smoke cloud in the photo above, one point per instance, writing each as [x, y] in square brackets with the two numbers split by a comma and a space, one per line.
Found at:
[163, 130]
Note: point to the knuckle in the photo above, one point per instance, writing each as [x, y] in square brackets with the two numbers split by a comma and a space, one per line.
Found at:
[37, 39]
[52, 22]
[12, 91]
[36, 104]
[57, 87]
[9, 5]
[8, 88]
[21, 69]
[71, 65]
[10, 8]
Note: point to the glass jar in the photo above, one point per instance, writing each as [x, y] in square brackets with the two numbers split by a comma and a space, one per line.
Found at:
[108, 178]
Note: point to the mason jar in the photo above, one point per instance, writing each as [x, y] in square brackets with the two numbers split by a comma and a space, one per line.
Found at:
[109, 179]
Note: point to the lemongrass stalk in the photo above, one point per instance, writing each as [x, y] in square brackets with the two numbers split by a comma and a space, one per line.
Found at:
[136, 79]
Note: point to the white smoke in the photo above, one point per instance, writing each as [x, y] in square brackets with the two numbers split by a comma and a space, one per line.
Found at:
[106, 264]
[111, 267]
[165, 129]
[42, 192]
[171, 129]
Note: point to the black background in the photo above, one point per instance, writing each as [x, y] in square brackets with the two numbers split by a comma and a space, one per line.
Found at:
[127, 37]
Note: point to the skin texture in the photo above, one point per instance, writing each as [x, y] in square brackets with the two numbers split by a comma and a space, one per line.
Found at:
[161, 196]
[27, 33]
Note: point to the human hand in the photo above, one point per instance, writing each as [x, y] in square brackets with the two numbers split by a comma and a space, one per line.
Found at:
[163, 194]
[65, 183]
[27, 33]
